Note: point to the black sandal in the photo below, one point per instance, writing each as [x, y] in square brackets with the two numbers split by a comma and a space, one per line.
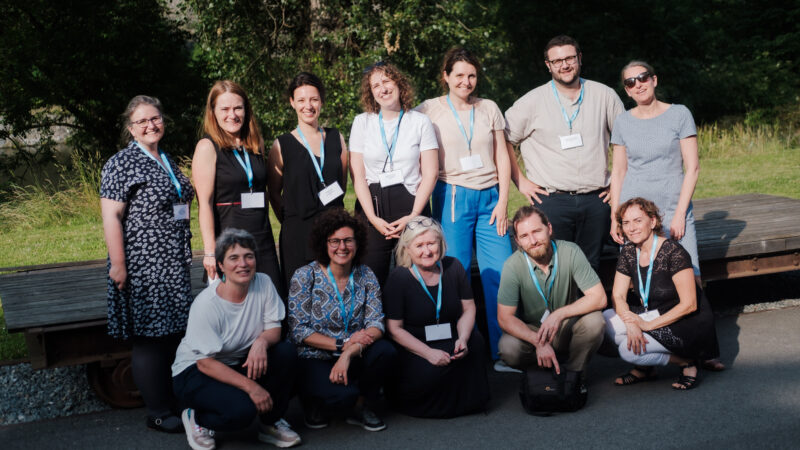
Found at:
[629, 378]
[685, 381]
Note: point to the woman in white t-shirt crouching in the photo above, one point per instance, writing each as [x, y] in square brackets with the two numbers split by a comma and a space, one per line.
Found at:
[232, 365]
[393, 160]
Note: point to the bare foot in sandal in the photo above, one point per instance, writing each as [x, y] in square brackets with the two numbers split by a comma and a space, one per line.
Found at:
[687, 379]
[636, 375]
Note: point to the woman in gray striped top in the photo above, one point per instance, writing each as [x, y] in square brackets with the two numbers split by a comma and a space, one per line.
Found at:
[655, 157]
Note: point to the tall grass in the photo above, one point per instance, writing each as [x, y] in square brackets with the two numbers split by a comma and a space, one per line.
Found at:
[72, 198]
[716, 141]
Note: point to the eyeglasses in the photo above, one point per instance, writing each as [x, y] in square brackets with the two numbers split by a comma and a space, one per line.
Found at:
[157, 120]
[348, 242]
[421, 223]
[641, 78]
[557, 63]
[369, 68]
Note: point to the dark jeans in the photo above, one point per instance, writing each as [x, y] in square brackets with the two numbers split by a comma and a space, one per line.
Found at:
[581, 218]
[365, 377]
[222, 407]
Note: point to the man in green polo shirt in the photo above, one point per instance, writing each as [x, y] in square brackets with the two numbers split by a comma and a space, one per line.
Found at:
[543, 278]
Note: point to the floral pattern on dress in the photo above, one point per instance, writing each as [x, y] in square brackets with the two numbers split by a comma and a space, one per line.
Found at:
[158, 255]
[314, 307]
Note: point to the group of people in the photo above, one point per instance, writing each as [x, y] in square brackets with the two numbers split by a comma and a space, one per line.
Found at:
[432, 185]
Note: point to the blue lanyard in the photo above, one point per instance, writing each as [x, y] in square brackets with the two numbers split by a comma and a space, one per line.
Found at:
[248, 169]
[461, 126]
[646, 292]
[552, 275]
[438, 301]
[390, 148]
[345, 316]
[166, 166]
[568, 119]
[317, 166]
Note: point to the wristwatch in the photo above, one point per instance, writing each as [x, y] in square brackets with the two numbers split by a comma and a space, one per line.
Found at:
[339, 344]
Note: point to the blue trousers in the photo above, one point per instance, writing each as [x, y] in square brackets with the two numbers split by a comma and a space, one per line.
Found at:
[464, 214]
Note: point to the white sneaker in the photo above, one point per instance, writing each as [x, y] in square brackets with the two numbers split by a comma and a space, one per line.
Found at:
[199, 438]
[501, 366]
[280, 434]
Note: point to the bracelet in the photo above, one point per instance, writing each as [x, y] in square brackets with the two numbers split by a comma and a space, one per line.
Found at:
[208, 255]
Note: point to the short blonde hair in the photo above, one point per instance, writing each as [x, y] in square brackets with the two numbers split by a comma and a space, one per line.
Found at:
[415, 227]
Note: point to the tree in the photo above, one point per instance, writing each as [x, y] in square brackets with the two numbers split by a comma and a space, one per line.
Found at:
[76, 64]
[263, 44]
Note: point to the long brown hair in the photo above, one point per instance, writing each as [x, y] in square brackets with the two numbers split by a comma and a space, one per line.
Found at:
[249, 135]
[394, 74]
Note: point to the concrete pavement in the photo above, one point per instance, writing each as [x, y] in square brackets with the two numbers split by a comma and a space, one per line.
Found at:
[753, 404]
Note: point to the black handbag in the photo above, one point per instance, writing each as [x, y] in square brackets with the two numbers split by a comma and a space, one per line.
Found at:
[544, 392]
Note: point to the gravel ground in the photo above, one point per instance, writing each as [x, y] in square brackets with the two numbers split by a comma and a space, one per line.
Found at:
[28, 395]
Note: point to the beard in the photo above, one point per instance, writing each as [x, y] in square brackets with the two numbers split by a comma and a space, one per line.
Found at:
[540, 252]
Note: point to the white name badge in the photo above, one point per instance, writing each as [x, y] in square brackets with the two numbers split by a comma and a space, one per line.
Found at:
[571, 141]
[545, 315]
[438, 332]
[391, 178]
[330, 193]
[180, 211]
[471, 162]
[252, 200]
[649, 315]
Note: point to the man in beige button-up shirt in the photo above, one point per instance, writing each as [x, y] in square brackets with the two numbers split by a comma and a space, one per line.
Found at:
[563, 129]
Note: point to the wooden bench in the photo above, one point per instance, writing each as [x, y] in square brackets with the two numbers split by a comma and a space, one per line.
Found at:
[62, 311]
[61, 308]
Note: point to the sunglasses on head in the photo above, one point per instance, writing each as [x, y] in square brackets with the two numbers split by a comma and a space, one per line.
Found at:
[369, 68]
[641, 78]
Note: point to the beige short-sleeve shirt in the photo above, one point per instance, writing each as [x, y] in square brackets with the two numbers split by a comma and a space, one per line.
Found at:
[453, 145]
[535, 122]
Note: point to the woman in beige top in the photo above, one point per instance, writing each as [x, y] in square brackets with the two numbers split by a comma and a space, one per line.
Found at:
[471, 196]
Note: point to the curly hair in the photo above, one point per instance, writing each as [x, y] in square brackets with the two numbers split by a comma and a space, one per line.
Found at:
[328, 223]
[394, 74]
[250, 134]
[453, 56]
[418, 225]
[649, 208]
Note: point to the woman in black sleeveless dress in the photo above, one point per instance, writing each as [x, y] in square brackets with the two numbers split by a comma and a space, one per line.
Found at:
[230, 175]
[298, 191]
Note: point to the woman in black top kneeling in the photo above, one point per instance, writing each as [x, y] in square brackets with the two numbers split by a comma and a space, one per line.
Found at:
[430, 315]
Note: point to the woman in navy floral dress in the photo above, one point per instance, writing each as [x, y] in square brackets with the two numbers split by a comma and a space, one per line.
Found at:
[145, 206]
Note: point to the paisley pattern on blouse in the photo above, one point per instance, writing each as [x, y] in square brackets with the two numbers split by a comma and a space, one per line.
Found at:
[158, 255]
[314, 307]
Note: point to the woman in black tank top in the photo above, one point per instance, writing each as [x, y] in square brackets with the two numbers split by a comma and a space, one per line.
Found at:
[229, 172]
[306, 173]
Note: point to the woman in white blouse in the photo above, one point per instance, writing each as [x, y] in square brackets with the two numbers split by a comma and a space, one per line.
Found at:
[393, 161]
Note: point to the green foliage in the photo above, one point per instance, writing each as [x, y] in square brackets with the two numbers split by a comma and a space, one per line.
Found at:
[263, 44]
[719, 57]
[12, 346]
[76, 65]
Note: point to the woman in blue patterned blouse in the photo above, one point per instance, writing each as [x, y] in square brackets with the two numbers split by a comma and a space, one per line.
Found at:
[336, 321]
